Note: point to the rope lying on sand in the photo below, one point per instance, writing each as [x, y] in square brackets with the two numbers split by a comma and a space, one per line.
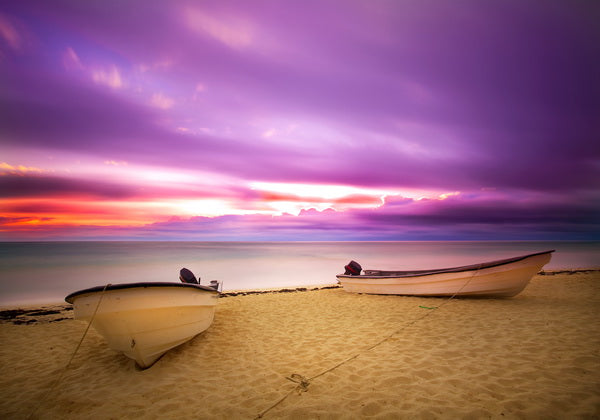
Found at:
[62, 372]
[304, 382]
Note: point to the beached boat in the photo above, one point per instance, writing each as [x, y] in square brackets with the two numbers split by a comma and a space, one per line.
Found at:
[500, 278]
[145, 320]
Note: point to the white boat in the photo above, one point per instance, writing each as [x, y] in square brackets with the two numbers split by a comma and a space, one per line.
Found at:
[145, 320]
[500, 278]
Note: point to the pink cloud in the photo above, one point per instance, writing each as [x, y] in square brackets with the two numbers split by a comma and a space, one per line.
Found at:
[232, 31]
[161, 101]
[110, 77]
[450, 219]
[7, 169]
[9, 33]
[71, 60]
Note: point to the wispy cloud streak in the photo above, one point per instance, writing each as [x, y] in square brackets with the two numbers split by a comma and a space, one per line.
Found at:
[432, 119]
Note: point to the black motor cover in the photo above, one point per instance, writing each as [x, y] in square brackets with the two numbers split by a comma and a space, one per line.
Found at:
[186, 276]
[353, 268]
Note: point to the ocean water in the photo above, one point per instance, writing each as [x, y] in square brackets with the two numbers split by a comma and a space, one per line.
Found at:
[45, 272]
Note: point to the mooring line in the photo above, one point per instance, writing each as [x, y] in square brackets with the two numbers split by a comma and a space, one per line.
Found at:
[60, 376]
[304, 382]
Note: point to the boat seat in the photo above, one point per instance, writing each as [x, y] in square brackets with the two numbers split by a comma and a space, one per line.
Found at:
[186, 276]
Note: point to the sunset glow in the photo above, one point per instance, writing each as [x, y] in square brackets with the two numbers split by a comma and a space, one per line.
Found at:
[332, 120]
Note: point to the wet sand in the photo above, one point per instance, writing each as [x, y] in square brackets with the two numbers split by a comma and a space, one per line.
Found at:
[536, 355]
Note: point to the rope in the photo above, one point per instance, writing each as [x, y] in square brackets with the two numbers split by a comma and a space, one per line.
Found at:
[304, 382]
[60, 376]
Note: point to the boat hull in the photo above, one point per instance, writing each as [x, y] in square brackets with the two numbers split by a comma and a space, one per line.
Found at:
[145, 320]
[504, 278]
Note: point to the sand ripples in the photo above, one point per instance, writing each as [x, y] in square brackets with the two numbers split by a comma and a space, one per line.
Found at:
[536, 355]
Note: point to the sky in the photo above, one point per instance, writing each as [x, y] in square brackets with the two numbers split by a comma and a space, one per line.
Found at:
[312, 120]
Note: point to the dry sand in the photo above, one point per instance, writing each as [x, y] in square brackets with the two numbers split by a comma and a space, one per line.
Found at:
[536, 355]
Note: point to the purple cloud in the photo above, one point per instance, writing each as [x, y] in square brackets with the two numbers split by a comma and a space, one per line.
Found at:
[498, 99]
[403, 219]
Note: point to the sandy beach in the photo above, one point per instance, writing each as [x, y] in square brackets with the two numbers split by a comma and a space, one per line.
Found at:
[536, 355]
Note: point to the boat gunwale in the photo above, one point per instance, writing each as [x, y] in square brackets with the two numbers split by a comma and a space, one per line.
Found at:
[422, 273]
[123, 286]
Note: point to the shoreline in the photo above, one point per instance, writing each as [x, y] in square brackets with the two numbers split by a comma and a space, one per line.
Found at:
[55, 312]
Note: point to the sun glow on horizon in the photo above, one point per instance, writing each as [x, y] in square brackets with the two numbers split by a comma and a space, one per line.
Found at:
[292, 198]
[118, 193]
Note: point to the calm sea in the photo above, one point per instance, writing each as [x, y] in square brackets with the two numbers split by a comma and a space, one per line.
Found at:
[45, 272]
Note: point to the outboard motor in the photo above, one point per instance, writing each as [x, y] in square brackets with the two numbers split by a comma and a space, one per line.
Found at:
[353, 268]
[214, 284]
[186, 276]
